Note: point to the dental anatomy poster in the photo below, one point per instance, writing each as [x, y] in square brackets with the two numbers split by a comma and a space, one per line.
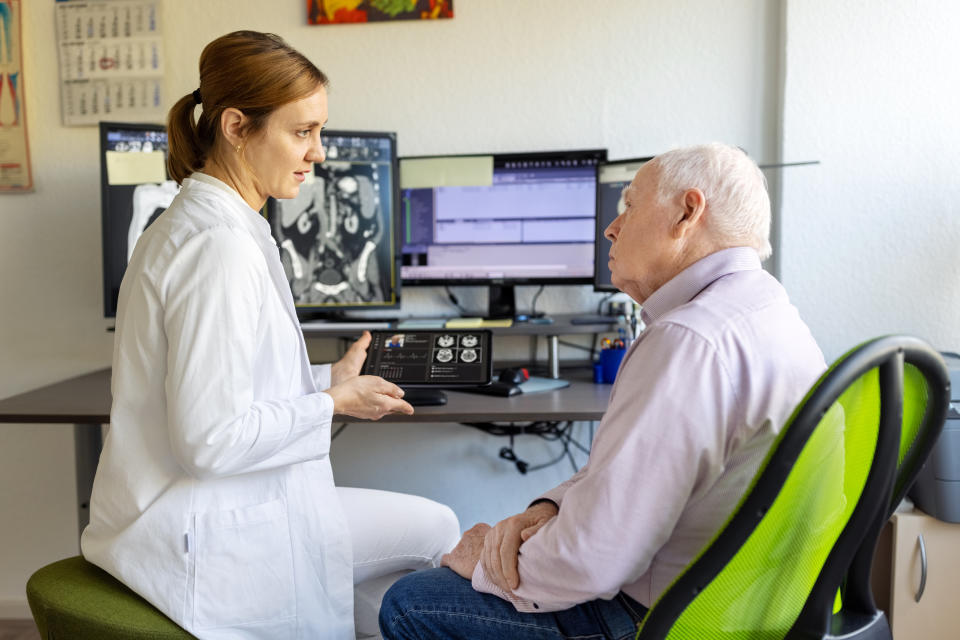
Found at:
[15, 172]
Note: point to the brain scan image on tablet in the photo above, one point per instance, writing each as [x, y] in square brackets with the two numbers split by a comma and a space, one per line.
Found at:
[445, 341]
[447, 357]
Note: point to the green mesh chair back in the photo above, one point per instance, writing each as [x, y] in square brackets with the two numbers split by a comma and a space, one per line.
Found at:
[774, 569]
[925, 404]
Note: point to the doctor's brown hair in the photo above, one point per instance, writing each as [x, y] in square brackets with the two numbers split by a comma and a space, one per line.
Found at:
[247, 70]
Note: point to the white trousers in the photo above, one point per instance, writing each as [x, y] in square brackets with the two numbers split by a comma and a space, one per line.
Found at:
[393, 534]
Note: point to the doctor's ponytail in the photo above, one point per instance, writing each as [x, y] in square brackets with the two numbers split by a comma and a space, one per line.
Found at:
[185, 154]
[246, 70]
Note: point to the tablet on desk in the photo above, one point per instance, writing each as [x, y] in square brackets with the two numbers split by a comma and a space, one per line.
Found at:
[432, 358]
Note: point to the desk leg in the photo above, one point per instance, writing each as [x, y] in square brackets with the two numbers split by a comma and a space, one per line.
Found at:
[553, 356]
[87, 442]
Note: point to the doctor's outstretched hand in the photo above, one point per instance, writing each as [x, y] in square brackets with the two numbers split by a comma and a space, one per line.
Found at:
[352, 361]
[368, 397]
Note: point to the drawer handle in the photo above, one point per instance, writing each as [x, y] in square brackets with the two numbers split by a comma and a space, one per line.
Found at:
[923, 568]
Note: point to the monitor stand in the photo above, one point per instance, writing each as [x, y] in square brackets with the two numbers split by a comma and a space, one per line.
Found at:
[424, 397]
[502, 303]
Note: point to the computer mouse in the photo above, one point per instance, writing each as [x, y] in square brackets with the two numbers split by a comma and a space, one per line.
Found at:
[514, 375]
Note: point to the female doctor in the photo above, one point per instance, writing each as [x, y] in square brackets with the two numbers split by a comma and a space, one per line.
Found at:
[214, 497]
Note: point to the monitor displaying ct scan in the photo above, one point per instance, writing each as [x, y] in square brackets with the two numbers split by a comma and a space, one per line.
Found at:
[441, 357]
[337, 238]
[134, 191]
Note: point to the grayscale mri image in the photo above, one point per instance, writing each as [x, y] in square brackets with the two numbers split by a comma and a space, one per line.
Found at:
[149, 201]
[334, 237]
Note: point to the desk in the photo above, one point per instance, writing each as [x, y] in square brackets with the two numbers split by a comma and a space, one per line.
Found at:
[84, 401]
[562, 325]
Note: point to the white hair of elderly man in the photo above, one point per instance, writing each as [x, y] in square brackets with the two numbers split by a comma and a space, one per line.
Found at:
[735, 190]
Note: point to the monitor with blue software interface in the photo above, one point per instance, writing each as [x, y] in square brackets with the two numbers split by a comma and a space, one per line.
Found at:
[612, 178]
[499, 220]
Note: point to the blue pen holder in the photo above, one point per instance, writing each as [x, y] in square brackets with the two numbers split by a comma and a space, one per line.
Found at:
[606, 369]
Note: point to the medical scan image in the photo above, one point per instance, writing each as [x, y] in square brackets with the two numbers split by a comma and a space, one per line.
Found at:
[445, 341]
[334, 237]
[444, 355]
[149, 201]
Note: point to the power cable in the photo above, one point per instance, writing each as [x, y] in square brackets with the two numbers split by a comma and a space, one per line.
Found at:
[551, 431]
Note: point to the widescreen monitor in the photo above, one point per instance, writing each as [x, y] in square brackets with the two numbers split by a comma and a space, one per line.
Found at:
[612, 178]
[499, 220]
[134, 190]
[337, 238]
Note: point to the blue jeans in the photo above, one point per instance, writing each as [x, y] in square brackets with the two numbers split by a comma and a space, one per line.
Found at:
[437, 603]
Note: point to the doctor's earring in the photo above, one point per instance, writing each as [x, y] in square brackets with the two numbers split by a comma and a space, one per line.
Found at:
[238, 148]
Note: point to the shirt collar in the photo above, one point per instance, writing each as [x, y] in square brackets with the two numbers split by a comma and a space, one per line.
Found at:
[255, 221]
[685, 286]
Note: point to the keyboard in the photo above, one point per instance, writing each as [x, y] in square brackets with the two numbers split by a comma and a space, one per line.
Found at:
[333, 324]
[595, 320]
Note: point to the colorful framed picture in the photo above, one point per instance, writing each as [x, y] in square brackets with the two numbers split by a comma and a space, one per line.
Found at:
[15, 174]
[346, 11]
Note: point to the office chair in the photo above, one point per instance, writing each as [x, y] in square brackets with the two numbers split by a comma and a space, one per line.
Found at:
[808, 523]
[924, 415]
[73, 599]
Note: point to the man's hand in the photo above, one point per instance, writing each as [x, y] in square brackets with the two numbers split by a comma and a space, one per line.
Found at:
[501, 546]
[352, 361]
[368, 397]
[464, 557]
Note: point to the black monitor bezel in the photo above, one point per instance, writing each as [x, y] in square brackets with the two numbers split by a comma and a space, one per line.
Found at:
[597, 285]
[310, 311]
[368, 367]
[109, 301]
[533, 155]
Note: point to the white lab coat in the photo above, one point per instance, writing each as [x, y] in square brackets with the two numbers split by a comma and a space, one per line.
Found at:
[214, 497]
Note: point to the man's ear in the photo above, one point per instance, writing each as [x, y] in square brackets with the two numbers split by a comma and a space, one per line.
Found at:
[232, 125]
[692, 206]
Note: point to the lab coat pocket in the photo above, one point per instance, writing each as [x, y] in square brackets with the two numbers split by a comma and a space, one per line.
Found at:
[243, 566]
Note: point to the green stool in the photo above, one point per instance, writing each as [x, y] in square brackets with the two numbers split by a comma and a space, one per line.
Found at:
[73, 599]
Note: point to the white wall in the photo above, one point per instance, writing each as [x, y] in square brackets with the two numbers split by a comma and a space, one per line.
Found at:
[634, 76]
[871, 235]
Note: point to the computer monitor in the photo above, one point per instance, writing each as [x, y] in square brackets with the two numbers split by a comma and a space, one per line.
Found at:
[337, 238]
[134, 190]
[499, 220]
[612, 178]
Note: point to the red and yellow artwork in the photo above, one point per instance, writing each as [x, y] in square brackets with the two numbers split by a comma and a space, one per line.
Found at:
[343, 11]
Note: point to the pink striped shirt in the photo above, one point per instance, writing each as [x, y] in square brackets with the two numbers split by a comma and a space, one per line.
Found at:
[700, 396]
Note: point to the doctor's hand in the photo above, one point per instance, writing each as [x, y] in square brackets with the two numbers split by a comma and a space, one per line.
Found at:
[368, 397]
[464, 557]
[352, 361]
[501, 546]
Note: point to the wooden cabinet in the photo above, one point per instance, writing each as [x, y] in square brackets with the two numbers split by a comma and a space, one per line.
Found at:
[898, 570]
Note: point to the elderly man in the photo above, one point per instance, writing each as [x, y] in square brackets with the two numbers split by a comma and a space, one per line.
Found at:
[699, 398]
